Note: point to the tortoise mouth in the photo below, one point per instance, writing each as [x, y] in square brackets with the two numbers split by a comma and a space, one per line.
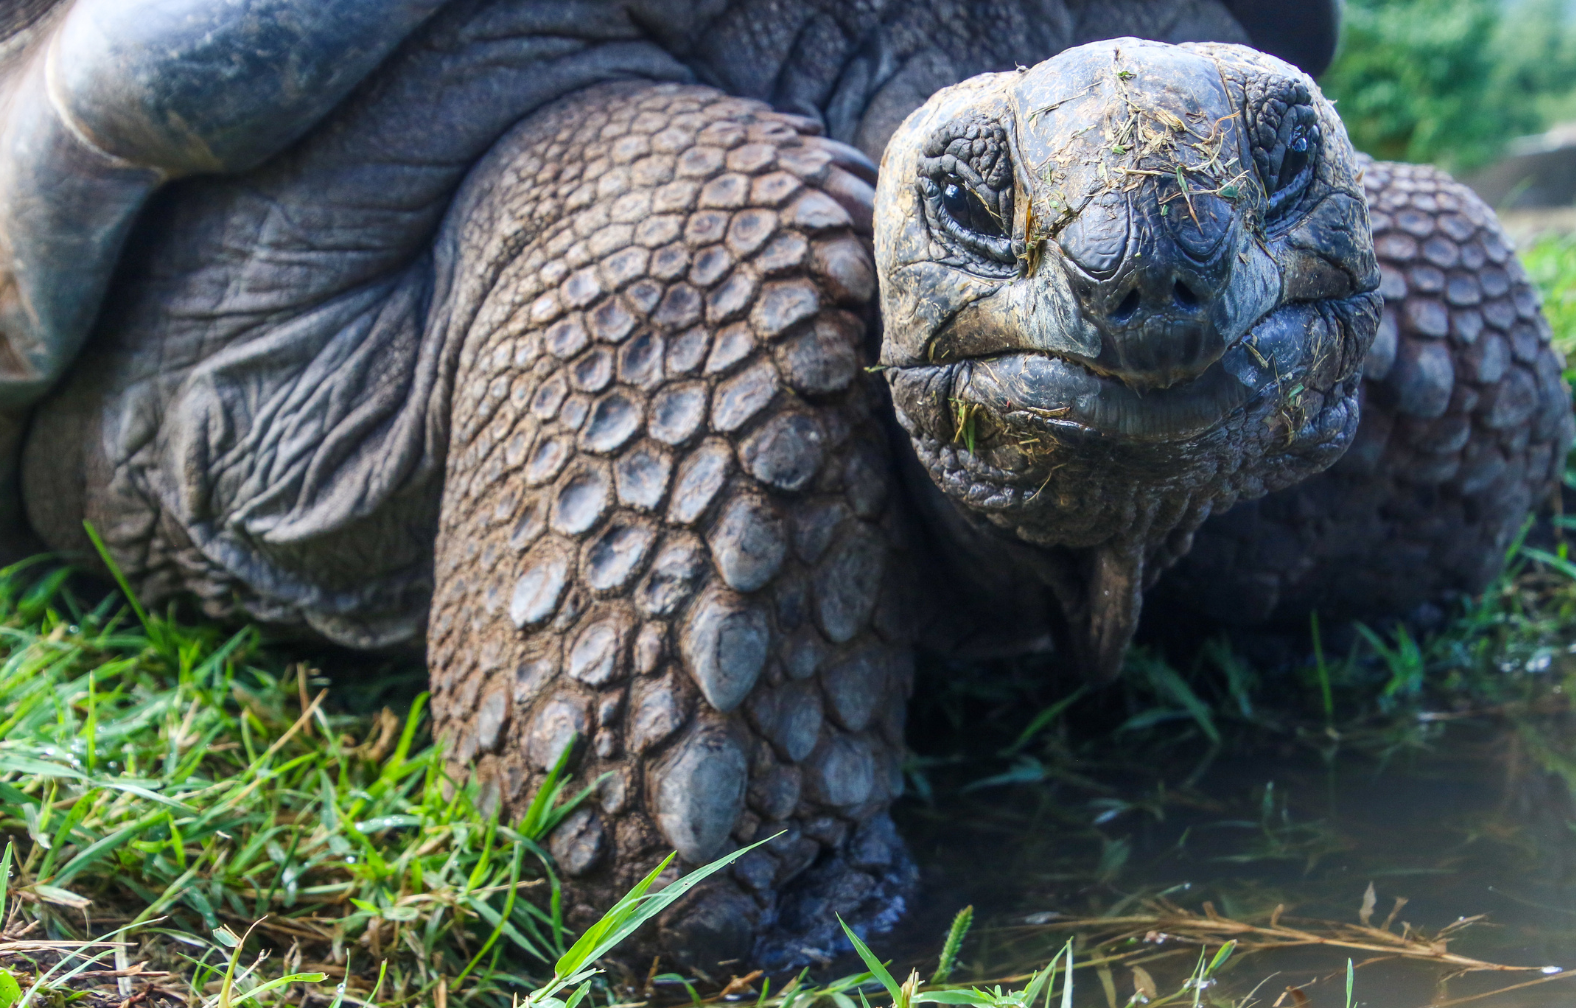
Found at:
[1034, 391]
[1154, 353]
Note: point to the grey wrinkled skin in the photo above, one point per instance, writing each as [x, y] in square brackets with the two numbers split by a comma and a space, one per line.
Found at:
[542, 336]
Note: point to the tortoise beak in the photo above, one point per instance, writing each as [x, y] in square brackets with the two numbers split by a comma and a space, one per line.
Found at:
[1150, 277]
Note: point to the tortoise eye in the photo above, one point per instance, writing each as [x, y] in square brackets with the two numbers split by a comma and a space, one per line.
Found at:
[1287, 141]
[1298, 150]
[965, 184]
[1287, 154]
[968, 209]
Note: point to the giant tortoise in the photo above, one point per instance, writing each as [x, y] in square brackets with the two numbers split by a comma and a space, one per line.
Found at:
[562, 339]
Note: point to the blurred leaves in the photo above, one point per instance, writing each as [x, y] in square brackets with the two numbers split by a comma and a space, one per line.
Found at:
[1451, 81]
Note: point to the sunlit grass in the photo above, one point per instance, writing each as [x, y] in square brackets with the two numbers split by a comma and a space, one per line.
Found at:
[180, 803]
[179, 781]
[185, 790]
[193, 795]
[1551, 262]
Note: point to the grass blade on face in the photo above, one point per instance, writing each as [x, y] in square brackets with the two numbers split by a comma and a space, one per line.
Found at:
[1197, 982]
[1221, 957]
[1045, 717]
[508, 908]
[1038, 982]
[957, 997]
[1551, 560]
[578, 995]
[1169, 683]
[1322, 670]
[91, 854]
[172, 893]
[62, 837]
[18, 763]
[91, 729]
[275, 984]
[535, 823]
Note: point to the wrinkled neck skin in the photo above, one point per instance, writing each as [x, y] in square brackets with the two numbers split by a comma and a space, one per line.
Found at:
[1161, 309]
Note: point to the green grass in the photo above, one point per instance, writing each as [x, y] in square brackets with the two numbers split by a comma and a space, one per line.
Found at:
[189, 793]
[181, 801]
[1551, 262]
[177, 780]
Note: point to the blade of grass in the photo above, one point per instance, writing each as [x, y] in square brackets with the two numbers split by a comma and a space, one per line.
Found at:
[1045, 717]
[1322, 670]
[952, 945]
[874, 965]
[628, 914]
[1067, 982]
[120, 579]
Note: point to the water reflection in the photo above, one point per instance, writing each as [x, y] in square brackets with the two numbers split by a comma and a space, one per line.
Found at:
[1475, 820]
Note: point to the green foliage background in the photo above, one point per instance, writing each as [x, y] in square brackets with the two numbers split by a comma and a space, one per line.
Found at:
[1452, 81]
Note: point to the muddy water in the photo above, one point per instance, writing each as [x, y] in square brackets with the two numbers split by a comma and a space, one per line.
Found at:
[1474, 823]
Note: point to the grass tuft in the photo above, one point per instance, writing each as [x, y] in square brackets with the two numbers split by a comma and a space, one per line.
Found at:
[174, 779]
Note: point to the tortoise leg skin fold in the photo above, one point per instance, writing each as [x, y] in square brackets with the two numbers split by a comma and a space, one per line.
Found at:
[1465, 426]
[667, 534]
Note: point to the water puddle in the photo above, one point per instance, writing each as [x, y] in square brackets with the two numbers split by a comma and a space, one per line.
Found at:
[1185, 839]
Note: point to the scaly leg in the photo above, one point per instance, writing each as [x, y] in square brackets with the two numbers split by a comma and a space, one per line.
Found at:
[668, 528]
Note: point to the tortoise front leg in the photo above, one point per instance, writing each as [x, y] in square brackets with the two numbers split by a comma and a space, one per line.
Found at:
[668, 530]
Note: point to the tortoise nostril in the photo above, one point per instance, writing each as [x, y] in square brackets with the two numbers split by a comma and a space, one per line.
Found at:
[1129, 305]
[1184, 295]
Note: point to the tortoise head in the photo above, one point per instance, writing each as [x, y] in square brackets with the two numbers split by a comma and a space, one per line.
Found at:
[1120, 289]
